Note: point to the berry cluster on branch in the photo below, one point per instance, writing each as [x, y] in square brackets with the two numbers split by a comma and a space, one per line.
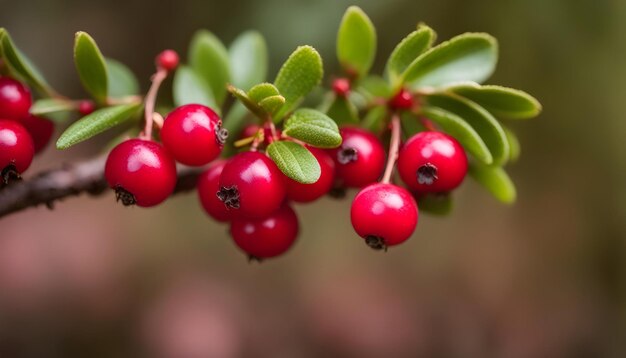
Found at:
[428, 116]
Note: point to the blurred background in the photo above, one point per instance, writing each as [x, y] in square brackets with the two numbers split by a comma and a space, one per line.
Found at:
[543, 278]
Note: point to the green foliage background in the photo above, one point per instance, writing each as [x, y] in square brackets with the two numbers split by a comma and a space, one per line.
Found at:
[557, 255]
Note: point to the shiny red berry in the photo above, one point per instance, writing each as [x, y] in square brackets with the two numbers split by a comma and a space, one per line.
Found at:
[86, 107]
[384, 215]
[168, 60]
[16, 151]
[141, 172]
[15, 99]
[403, 100]
[194, 135]
[432, 162]
[208, 186]
[251, 185]
[40, 129]
[304, 193]
[266, 237]
[341, 87]
[360, 159]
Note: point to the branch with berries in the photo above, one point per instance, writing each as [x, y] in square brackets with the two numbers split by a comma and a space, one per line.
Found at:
[404, 139]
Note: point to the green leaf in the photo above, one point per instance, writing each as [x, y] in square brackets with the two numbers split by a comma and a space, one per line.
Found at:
[313, 127]
[482, 121]
[298, 76]
[272, 104]
[411, 125]
[189, 87]
[342, 111]
[356, 42]
[249, 103]
[461, 130]
[407, 51]
[46, 106]
[375, 118]
[501, 101]
[467, 57]
[91, 67]
[262, 91]
[375, 86]
[436, 204]
[209, 58]
[295, 161]
[122, 81]
[96, 123]
[21, 66]
[248, 59]
[496, 181]
[514, 145]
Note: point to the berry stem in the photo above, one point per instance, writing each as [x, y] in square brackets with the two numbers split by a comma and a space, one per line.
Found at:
[150, 100]
[394, 145]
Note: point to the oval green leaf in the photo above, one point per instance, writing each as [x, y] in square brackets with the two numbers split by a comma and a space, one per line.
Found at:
[342, 111]
[482, 121]
[248, 60]
[467, 57]
[190, 87]
[501, 101]
[496, 181]
[262, 91]
[91, 67]
[356, 42]
[298, 76]
[272, 104]
[209, 58]
[461, 130]
[122, 81]
[314, 128]
[407, 51]
[21, 66]
[295, 161]
[47, 106]
[96, 123]
[514, 146]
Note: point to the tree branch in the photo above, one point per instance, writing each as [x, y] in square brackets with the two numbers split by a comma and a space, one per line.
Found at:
[71, 180]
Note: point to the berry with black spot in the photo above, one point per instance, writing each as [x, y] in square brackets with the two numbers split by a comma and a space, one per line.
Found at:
[208, 186]
[384, 215]
[142, 172]
[194, 135]
[15, 99]
[251, 185]
[304, 193]
[266, 237]
[432, 162]
[360, 160]
[16, 151]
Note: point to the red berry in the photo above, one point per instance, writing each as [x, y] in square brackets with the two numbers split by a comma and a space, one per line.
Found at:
[208, 186]
[341, 87]
[40, 129]
[402, 100]
[86, 107]
[168, 60]
[194, 135]
[141, 172]
[432, 162]
[15, 99]
[384, 215]
[360, 159]
[304, 193]
[16, 150]
[266, 237]
[251, 185]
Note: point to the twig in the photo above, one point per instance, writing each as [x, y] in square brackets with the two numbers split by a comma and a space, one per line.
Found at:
[71, 180]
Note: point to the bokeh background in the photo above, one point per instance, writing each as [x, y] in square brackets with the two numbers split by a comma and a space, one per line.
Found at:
[543, 278]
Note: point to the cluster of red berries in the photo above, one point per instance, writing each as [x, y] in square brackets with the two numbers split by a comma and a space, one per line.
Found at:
[22, 134]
